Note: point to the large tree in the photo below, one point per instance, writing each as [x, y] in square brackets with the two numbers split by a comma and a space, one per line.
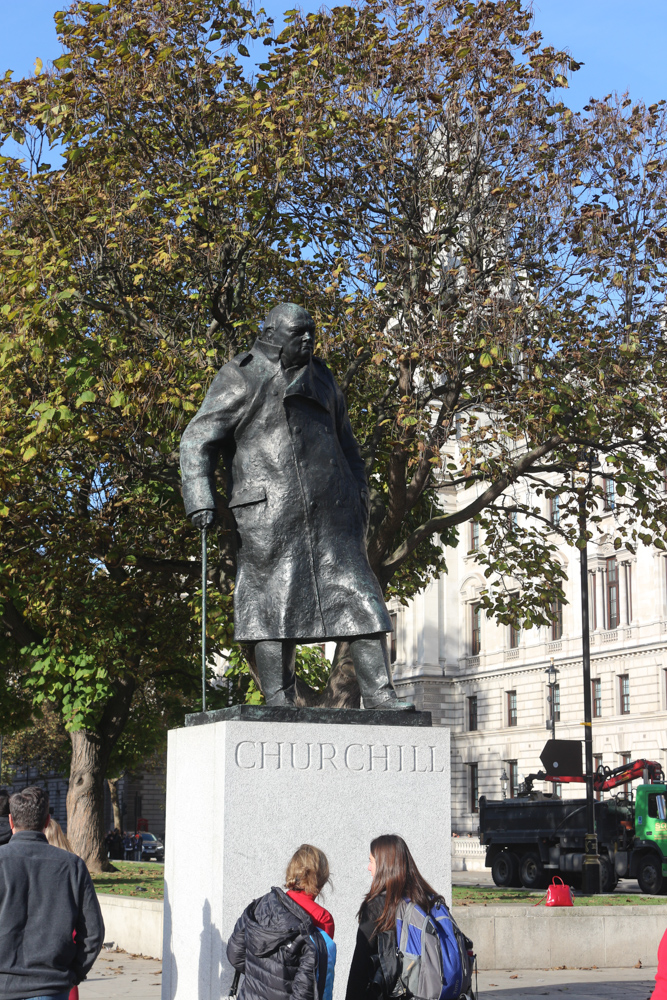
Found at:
[134, 265]
[504, 264]
[485, 268]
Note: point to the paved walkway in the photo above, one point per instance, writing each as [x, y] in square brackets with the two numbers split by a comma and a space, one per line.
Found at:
[118, 975]
[575, 984]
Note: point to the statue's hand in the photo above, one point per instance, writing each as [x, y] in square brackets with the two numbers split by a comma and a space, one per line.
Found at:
[202, 518]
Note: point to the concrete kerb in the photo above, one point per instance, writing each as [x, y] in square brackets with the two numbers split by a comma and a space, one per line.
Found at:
[529, 937]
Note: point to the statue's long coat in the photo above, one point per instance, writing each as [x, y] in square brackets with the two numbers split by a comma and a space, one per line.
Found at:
[298, 491]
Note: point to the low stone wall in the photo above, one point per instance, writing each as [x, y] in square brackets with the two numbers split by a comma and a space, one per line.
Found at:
[134, 925]
[468, 855]
[505, 937]
[539, 937]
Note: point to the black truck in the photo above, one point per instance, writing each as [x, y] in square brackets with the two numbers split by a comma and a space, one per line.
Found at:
[531, 838]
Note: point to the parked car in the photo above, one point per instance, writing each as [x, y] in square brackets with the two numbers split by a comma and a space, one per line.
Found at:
[153, 849]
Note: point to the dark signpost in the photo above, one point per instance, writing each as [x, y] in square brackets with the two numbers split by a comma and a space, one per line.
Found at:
[562, 757]
[591, 867]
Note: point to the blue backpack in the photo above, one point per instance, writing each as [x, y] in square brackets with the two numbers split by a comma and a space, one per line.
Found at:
[433, 954]
[326, 962]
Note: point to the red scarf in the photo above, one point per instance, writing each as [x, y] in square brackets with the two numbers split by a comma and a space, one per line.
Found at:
[321, 917]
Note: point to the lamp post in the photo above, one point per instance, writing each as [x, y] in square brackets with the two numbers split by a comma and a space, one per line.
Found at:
[552, 680]
[503, 781]
[591, 866]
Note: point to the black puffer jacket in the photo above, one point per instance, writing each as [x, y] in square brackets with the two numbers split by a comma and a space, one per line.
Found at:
[5, 830]
[272, 944]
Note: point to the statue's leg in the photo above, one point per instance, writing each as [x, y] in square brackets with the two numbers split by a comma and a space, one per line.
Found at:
[274, 660]
[371, 664]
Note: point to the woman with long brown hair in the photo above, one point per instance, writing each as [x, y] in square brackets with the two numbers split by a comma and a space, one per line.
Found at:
[375, 970]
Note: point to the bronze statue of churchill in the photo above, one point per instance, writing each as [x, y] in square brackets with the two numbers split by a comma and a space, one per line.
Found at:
[297, 487]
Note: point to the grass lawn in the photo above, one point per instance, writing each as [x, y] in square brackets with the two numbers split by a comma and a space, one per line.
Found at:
[471, 895]
[143, 879]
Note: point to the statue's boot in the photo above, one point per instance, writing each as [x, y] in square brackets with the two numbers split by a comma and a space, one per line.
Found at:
[371, 665]
[274, 661]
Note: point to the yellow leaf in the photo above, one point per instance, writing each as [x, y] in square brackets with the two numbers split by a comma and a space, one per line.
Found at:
[38, 66]
[519, 87]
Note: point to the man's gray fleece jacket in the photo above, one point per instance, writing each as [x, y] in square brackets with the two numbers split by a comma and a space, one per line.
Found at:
[45, 894]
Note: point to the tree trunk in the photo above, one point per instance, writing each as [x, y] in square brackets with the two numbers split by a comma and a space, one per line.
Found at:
[90, 757]
[85, 800]
[342, 690]
[115, 804]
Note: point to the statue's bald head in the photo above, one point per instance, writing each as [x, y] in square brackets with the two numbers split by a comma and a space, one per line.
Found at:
[292, 328]
[286, 314]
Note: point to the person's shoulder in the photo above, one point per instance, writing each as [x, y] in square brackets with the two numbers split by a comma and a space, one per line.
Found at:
[322, 369]
[372, 909]
[234, 377]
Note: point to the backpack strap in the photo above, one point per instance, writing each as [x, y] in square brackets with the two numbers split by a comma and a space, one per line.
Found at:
[405, 926]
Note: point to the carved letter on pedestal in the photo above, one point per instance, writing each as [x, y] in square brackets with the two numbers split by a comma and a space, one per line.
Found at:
[247, 756]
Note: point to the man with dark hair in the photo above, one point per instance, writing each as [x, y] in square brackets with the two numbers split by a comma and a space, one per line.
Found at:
[5, 828]
[52, 927]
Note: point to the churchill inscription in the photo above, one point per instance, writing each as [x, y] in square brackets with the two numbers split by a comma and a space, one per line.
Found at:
[302, 756]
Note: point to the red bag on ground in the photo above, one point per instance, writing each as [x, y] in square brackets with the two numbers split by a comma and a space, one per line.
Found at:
[559, 894]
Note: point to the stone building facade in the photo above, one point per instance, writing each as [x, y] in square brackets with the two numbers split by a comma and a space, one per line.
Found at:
[490, 685]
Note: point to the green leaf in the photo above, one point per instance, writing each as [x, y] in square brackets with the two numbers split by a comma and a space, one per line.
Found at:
[85, 397]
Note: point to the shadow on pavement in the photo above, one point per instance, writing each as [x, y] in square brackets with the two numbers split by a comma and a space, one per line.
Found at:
[613, 990]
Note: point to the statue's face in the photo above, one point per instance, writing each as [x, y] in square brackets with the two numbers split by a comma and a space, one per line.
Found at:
[296, 336]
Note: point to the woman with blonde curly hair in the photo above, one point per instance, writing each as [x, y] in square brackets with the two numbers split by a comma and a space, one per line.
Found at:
[283, 942]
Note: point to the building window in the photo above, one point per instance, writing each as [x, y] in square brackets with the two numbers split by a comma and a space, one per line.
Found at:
[557, 790]
[472, 713]
[554, 510]
[612, 593]
[592, 602]
[596, 697]
[557, 620]
[626, 757]
[515, 637]
[476, 645]
[628, 589]
[609, 494]
[394, 625]
[511, 708]
[624, 693]
[473, 785]
[513, 772]
[556, 704]
[474, 536]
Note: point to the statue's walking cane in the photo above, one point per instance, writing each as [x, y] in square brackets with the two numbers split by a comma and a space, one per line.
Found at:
[203, 619]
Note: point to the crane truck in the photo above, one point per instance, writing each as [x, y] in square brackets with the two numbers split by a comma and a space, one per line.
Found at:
[536, 835]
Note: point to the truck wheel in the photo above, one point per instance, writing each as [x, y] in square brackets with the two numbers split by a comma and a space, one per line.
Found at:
[505, 869]
[649, 875]
[532, 871]
[608, 877]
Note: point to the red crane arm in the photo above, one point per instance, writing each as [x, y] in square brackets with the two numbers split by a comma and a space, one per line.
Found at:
[605, 779]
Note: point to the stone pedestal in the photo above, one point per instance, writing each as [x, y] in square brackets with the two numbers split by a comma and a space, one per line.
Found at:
[245, 791]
